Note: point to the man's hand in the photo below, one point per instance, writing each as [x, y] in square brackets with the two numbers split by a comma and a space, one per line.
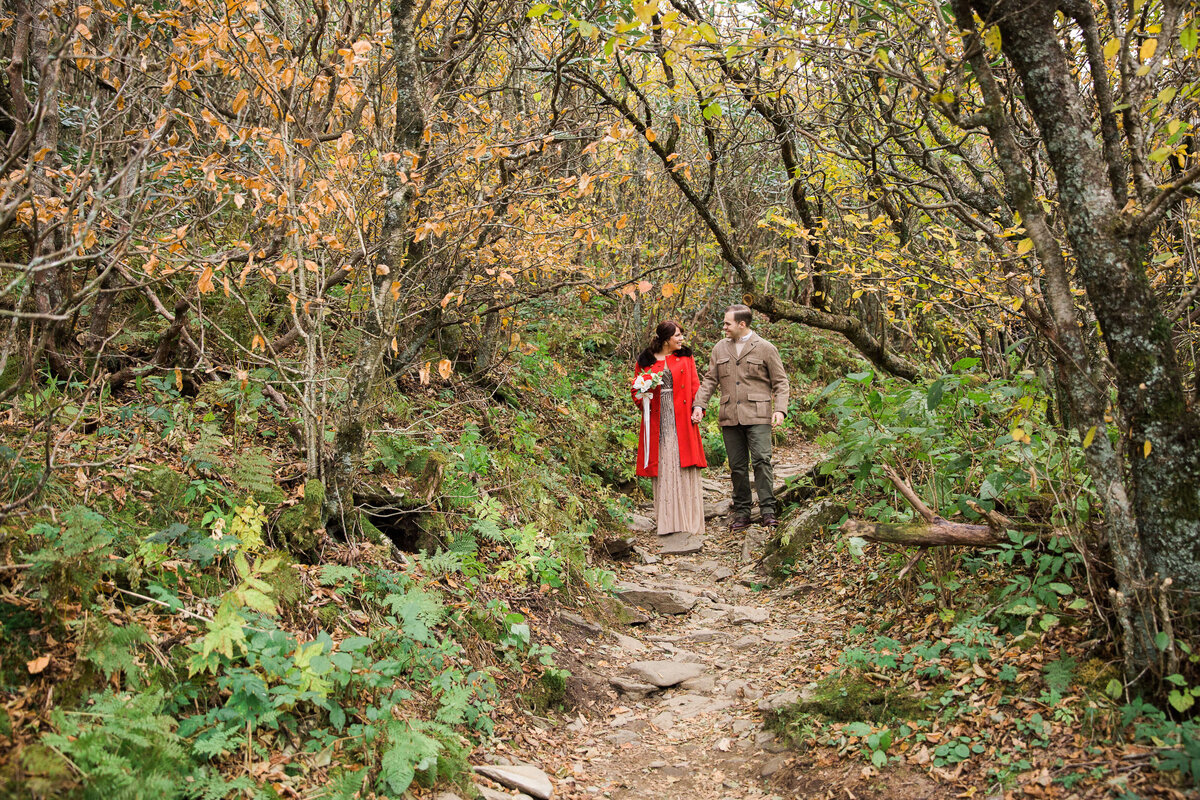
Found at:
[776, 419]
[697, 415]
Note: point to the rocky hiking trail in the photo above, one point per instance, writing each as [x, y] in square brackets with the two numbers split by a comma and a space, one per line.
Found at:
[676, 699]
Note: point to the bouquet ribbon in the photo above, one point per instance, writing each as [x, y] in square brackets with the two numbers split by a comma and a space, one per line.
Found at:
[646, 428]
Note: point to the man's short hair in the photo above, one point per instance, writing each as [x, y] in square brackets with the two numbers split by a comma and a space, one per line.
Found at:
[741, 313]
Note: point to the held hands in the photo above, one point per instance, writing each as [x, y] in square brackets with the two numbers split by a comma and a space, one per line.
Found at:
[697, 415]
[776, 419]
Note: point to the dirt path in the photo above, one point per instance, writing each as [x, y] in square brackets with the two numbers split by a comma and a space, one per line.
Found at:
[741, 644]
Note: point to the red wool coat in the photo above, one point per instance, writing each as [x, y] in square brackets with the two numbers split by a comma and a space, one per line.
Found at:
[684, 385]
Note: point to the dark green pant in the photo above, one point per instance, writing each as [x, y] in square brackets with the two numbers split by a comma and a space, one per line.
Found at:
[745, 444]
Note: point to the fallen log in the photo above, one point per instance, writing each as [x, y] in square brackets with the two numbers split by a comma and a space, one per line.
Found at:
[922, 533]
[931, 530]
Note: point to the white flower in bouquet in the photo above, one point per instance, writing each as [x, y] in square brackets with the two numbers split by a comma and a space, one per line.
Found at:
[643, 387]
[645, 384]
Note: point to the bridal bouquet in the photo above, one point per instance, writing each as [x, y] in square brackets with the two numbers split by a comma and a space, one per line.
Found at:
[643, 388]
[645, 384]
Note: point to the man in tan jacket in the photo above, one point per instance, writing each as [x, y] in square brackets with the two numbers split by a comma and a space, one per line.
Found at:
[747, 370]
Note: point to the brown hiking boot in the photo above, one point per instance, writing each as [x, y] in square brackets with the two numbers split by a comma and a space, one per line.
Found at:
[738, 523]
[769, 521]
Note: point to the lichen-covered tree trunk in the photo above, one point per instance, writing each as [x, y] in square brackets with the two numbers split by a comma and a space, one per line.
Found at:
[1162, 432]
[1078, 375]
[382, 325]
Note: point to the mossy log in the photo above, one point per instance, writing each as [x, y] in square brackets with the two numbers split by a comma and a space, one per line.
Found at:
[933, 533]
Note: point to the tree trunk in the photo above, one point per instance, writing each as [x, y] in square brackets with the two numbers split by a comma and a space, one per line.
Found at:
[350, 439]
[1162, 433]
[1079, 378]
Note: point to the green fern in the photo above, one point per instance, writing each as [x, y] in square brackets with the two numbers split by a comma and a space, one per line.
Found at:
[408, 752]
[205, 454]
[254, 474]
[124, 747]
[113, 649]
[417, 611]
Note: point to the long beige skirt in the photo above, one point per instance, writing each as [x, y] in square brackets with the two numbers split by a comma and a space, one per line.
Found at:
[678, 493]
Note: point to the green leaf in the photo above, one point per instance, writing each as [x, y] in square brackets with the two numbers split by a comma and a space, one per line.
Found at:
[537, 10]
[934, 396]
[352, 643]
[1181, 701]
[1161, 153]
[1188, 37]
[1114, 688]
[1161, 640]
[1061, 588]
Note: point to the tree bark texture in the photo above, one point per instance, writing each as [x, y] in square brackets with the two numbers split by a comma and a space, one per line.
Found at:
[936, 533]
[1162, 432]
[395, 235]
[1080, 378]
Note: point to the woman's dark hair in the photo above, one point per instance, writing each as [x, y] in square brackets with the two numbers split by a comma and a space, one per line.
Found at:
[665, 330]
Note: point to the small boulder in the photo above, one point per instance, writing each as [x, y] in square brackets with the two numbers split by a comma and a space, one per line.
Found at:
[743, 615]
[522, 777]
[665, 673]
[664, 601]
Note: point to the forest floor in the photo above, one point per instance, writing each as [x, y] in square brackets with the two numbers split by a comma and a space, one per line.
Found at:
[746, 644]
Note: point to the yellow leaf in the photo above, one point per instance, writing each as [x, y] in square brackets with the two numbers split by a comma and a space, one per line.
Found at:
[258, 342]
[239, 102]
[669, 289]
[423, 372]
[445, 368]
[37, 665]
[1024, 246]
[1146, 449]
[1147, 50]
[1089, 436]
[179, 379]
[650, 137]
[1110, 48]
[205, 283]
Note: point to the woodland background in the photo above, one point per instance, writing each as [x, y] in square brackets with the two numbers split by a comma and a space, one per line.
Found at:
[317, 320]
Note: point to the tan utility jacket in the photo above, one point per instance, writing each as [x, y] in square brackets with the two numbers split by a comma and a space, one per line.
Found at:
[747, 384]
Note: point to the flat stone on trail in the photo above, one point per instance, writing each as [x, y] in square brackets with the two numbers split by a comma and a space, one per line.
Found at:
[741, 615]
[779, 700]
[664, 601]
[705, 683]
[629, 644]
[488, 793]
[522, 777]
[781, 635]
[687, 706]
[581, 623]
[721, 573]
[632, 688]
[665, 673]
[680, 543]
[640, 522]
[621, 737]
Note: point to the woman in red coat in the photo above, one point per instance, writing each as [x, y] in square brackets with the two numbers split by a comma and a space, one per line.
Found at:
[669, 449]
